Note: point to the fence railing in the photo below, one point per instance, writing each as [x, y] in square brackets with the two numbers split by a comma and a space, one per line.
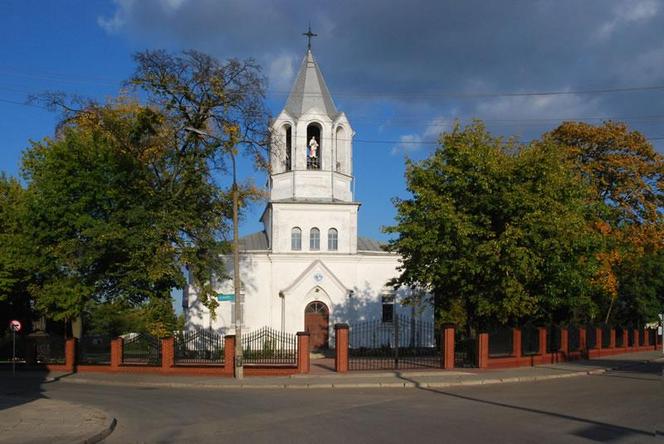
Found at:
[573, 338]
[501, 342]
[141, 348]
[199, 347]
[94, 350]
[530, 340]
[591, 337]
[267, 346]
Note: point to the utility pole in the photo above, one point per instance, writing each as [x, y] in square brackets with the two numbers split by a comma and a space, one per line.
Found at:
[237, 287]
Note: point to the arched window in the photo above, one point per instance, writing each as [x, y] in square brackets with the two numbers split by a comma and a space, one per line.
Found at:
[340, 152]
[332, 239]
[313, 147]
[289, 147]
[314, 239]
[296, 239]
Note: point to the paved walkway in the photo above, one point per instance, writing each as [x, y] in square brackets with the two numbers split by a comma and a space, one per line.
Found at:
[43, 420]
[391, 379]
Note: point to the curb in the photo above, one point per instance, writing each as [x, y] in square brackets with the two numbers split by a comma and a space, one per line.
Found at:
[337, 385]
[103, 434]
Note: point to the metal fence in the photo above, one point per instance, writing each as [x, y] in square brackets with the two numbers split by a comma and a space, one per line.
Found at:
[267, 346]
[606, 336]
[630, 336]
[530, 340]
[199, 347]
[591, 337]
[652, 336]
[48, 349]
[573, 338]
[94, 350]
[619, 337]
[501, 342]
[552, 339]
[141, 348]
[465, 350]
[642, 337]
[405, 343]
[6, 348]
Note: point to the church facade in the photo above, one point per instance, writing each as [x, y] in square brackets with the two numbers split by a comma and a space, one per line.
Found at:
[307, 269]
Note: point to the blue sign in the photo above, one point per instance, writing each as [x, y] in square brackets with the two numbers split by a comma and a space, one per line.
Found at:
[226, 297]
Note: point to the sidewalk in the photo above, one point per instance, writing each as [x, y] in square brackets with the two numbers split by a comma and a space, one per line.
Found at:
[44, 420]
[358, 379]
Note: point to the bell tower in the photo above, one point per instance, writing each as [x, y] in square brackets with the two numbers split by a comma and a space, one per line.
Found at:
[311, 161]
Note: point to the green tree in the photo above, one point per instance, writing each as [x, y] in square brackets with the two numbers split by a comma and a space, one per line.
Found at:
[496, 231]
[102, 225]
[627, 177]
[15, 265]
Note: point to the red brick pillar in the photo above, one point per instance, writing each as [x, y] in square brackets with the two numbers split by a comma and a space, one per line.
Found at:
[167, 353]
[542, 341]
[341, 348]
[646, 338]
[447, 343]
[483, 350]
[303, 363]
[70, 355]
[636, 343]
[516, 342]
[564, 342]
[599, 340]
[625, 338]
[582, 340]
[117, 345]
[229, 355]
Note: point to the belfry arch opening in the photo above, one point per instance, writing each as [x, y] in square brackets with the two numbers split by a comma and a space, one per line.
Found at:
[288, 138]
[314, 146]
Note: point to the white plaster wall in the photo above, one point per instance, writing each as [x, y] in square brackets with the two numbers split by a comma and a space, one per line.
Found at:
[343, 217]
[266, 276]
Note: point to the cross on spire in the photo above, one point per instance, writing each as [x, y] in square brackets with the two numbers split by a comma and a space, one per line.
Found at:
[309, 34]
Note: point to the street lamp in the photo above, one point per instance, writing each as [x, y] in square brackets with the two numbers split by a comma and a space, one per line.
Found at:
[236, 259]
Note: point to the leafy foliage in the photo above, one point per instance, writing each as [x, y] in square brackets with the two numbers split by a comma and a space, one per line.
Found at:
[496, 231]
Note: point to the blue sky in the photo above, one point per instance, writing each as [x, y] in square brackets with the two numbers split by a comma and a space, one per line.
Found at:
[401, 73]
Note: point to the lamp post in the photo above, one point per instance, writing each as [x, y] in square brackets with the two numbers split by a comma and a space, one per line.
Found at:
[236, 259]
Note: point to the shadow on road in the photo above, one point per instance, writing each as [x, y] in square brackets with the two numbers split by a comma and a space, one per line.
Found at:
[595, 430]
[23, 387]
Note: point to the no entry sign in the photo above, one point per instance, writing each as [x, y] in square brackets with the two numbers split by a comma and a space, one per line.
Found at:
[15, 325]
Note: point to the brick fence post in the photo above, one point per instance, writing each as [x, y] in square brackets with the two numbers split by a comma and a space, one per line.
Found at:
[625, 338]
[599, 340]
[70, 355]
[612, 338]
[583, 346]
[117, 346]
[564, 341]
[646, 338]
[447, 343]
[229, 355]
[542, 340]
[167, 353]
[516, 342]
[636, 342]
[341, 348]
[303, 361]
[483, 350]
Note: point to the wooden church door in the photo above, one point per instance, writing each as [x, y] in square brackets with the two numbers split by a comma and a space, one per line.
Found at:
[316, 323]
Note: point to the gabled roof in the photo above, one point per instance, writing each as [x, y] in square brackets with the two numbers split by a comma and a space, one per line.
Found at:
[254, 242]
[310, 91]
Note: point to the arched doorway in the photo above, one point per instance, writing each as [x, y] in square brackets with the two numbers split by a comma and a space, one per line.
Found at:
[317, 322]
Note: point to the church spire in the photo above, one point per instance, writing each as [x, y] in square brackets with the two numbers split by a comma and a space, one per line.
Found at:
[310, 91]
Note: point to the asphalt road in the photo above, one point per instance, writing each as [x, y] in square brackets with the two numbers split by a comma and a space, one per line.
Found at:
[620, 406]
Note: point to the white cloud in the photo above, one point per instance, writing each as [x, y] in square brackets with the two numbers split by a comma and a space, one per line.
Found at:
[409, 143]
[627, 13]
[124, 12]
[281, 72]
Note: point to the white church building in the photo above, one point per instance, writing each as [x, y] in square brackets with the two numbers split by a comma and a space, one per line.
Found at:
[307, 269]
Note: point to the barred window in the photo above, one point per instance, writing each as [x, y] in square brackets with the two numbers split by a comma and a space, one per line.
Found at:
[314, 239]
[332, 239]
[388, 307]
[296, 239]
